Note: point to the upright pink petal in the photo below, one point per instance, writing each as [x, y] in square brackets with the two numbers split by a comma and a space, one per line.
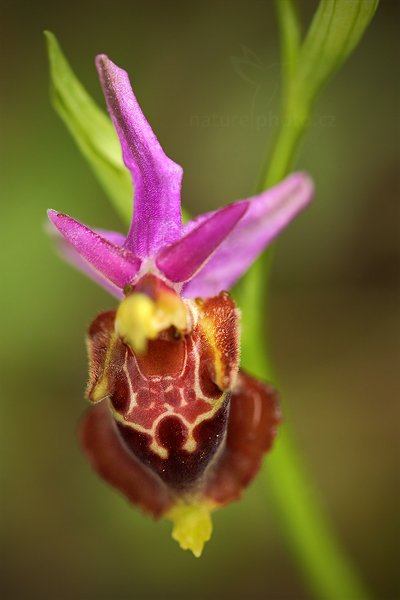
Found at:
[117, 265]
[267, 214]
[157, 179]
[182, 260]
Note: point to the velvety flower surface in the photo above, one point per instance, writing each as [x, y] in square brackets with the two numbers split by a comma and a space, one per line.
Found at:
[177, 427]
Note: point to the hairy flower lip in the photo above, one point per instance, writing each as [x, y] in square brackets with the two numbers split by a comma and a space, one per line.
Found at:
[254, 418]
[168, 399]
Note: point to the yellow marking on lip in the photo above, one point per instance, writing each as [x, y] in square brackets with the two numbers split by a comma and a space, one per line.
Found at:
[192, 526]
[101, 390]
[132, 394]
[208, 327]
[190, 445]
[157, 449]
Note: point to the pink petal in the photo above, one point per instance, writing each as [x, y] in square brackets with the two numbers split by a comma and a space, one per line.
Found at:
[157, 179]
[68, 253]
[106, 259]
[185, 258]
[267, 214]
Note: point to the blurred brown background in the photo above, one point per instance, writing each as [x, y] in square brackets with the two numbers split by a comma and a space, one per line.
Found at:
[335, 301]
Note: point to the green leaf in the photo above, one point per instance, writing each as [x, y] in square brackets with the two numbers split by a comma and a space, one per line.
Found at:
[91, 128]
[336, 29]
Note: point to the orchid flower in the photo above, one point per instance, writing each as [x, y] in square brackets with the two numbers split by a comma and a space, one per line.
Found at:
[176, 426]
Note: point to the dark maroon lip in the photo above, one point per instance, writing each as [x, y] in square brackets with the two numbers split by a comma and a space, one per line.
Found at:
[179, 421]
[182, 469]
[252, 422]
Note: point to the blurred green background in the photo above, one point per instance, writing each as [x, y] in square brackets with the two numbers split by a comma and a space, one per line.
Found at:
[335, 322]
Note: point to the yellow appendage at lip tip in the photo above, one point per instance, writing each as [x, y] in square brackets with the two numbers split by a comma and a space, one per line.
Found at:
[192, 526]
[134, 321]
[139, 318]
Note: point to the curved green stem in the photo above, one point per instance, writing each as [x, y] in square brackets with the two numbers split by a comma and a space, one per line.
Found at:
[312, 539]
[322, 561]
[320, 558]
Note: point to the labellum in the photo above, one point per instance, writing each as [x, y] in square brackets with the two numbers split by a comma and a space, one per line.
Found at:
[179, 430]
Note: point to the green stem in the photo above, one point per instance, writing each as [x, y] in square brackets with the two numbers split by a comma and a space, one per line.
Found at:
[322, 561]
[288, 140]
